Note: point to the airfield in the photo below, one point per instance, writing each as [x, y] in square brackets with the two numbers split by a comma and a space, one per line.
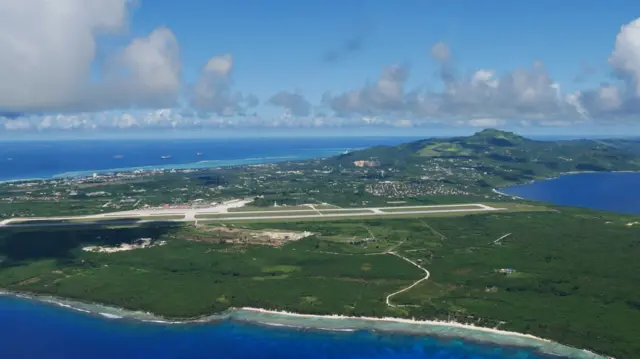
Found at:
[237, 211]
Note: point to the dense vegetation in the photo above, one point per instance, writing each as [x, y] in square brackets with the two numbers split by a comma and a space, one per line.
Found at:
[575, 276]
[506, 158]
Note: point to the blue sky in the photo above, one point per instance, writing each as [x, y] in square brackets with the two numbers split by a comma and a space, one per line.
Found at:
[390, 79]
[278, 45]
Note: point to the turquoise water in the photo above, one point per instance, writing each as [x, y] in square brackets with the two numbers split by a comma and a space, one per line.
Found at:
[36, 330]
[609, 191]
[47, 159]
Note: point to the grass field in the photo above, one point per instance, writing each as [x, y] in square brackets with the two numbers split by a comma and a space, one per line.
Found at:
[275, 209]
[418, 209]
[344, 211]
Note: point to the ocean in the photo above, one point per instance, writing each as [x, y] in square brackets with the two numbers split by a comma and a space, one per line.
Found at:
[36, 330]
[607, 191]
[48, 159]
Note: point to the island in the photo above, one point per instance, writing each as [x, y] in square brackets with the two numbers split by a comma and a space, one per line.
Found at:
[416, 231]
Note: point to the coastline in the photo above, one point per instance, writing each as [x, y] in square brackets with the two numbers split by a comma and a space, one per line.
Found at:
[204, 164]
[336, 323]
[200, 165]
[498, 190]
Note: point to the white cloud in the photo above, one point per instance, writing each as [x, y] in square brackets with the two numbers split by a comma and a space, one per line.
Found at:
[404, 123]
[526, 93]
[521, 96]
[213, 91]
[296, 104]
[384, 95]
[485, 122]
[48, 65]
[619, 100]
[151, 67]
[16, 125]
[49, 48]
[626, 55]
[220, 64]
[484, 78]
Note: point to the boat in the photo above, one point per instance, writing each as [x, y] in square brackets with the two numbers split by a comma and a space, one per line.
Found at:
[199, 154]
[165, 157]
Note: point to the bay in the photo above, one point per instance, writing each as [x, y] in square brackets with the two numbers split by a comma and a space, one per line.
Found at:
[607, 191]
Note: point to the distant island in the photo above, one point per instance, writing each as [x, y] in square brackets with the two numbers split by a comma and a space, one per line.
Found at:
[408, 231]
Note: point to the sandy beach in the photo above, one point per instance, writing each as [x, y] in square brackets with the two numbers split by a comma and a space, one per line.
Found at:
[442, 329]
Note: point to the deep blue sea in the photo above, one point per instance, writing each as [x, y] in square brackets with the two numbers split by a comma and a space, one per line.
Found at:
[35, 330]
[615, 192]
[46, 159]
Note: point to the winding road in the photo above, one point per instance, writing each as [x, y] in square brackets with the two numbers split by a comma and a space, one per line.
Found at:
[427, 274]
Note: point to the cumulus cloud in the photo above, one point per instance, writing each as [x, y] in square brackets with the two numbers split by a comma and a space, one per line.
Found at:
[295, 103]
[213, 91]
[49, 49]
[384, 95]
[625, 58]
[52, 68]
[487, 98]
[620, 99]
[145, 73]
[525, 93]
[483, 122]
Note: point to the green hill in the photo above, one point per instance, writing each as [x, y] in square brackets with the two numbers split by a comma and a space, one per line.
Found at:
[505, 157]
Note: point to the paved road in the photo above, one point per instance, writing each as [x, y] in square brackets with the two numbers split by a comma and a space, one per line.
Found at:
[342, 215]
[83, 223]
[191, 213]
[501, 238]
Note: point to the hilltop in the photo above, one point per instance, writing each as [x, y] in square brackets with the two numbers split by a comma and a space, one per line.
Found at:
[505, 157]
